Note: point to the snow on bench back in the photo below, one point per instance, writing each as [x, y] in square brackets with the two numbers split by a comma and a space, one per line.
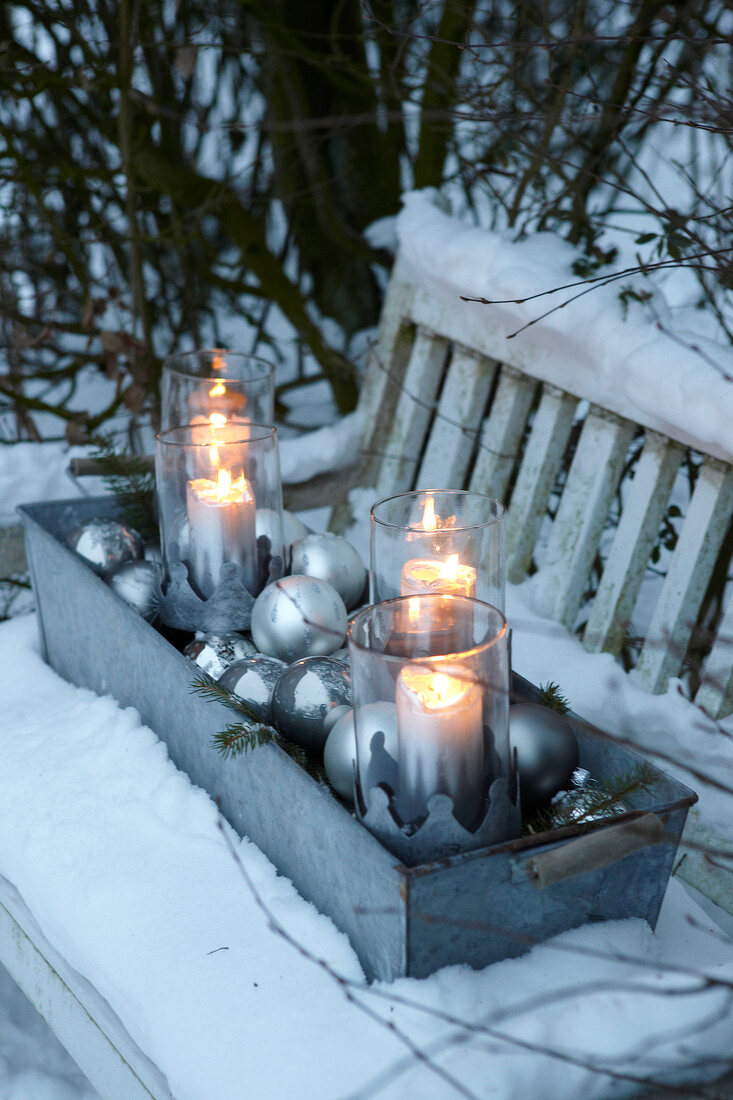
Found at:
[449, 401]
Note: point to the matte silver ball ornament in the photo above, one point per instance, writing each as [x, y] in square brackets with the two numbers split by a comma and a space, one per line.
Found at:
[304, 697]
[138, 584]
[213, 653]
[298, 617]
[339, 753]
[333, 559]
[253, 679]
[273, 524]
[547, 751]
[105, 544]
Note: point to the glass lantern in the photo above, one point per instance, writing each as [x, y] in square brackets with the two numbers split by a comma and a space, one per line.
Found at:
[447, 541]
[433, 766]
[220, 511]
[216, 385]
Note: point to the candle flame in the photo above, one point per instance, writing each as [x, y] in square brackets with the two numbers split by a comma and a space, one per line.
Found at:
[218, 389]
[225, 490]
[435, 690]
[449, 569]
[428, 518]
[224, 484]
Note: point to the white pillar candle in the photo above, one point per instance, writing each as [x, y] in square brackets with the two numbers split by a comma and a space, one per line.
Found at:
[445, 578]
[437, 578]
[221, 518]
[440, 740]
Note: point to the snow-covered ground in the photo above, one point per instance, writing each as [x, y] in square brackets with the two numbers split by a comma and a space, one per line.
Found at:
[91, 801]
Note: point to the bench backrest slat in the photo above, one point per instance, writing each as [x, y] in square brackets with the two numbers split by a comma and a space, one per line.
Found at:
[501, 434]
[591, 483]
[689, 572]
[452, 440]
[540, 465]
[638, 528]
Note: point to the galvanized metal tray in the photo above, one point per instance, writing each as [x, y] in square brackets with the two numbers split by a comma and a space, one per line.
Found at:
[475, 908]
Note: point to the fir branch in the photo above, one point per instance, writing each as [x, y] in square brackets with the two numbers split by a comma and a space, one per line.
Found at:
[597, 800]
[129, 479]
[241, 737]
[211, 689]
[238, 738]
[552, 697]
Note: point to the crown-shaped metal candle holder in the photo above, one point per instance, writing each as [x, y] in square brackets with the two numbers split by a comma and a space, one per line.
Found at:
[439, 834]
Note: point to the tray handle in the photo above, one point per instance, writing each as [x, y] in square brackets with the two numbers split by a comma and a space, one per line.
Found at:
[598, 849]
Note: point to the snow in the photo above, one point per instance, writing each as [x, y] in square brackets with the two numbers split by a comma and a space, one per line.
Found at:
[125, 867]
[327, 448]
[38, 471]
[671, 379]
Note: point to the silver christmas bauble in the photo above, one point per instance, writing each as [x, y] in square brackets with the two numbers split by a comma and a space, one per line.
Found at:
[253, 679]
[138, 583]
[214, 653]
[105, 544]
[332, 559]
[304, 697]
[271, 523]
[339, 753]
[547, 751]
[298, 617]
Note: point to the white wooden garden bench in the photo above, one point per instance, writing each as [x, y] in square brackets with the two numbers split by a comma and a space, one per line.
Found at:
[449, 402]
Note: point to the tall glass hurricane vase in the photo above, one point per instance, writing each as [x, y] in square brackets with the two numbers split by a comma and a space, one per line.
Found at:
[220, 510]
[438, 541]
[431, 719]
[216, 385]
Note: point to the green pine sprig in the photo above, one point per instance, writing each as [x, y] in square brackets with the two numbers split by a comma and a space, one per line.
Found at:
[551, 696]
[129, 479]
[596, 799]
[241, 737]
[209, 688]
[238, 737]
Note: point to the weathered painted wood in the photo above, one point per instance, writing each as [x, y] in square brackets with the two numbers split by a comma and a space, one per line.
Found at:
[635, 536]
[402, 443]
[12, 551]
[486, 329]
[452, 438]
[540, 465]
[687, 578]
[385, 371]
[501, 435]
[83, 1020]
[592, 480]
[715, 694]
